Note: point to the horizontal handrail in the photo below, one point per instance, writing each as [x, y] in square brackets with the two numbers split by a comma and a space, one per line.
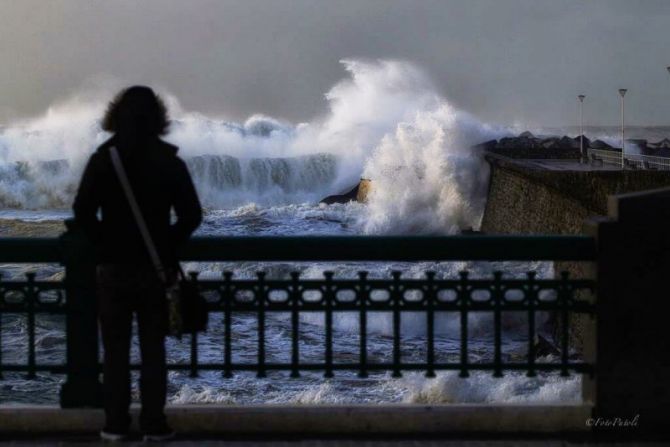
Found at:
[641, 161]
[344, 248]
[430, 298]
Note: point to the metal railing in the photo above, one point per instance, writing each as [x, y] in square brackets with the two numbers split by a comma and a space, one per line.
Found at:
[296, 296]
[604, 156]
[31, 298]
[429, 295]
[631, 161]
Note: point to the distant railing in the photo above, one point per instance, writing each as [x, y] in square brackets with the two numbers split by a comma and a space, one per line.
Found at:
[74, 297]
[631, 161]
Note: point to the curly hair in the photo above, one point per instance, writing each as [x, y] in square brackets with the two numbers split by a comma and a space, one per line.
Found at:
[136, 110]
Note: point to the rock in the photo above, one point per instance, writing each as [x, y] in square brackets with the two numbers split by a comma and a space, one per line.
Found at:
[599, 144]
[364, 189]
[518, 143]
[551, 143]
[577, 141]
[527, 145]
[663, 144]
[358, 193]
[568, 143]
[544, 347]
[349, 196]
[486, 145]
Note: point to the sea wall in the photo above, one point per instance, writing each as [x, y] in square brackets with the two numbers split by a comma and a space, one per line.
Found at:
[526, 199]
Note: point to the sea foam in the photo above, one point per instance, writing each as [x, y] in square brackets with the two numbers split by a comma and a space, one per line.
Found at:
[384, 121]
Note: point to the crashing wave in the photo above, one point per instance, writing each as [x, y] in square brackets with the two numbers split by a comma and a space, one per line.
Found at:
[220, 179]
[385, 121]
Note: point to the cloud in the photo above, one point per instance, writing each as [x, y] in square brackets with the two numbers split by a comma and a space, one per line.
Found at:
[513, 61]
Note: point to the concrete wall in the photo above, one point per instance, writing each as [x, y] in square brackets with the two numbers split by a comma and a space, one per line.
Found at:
[317, 420]
[524, 199]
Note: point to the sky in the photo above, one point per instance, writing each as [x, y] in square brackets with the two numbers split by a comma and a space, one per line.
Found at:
[511, 62]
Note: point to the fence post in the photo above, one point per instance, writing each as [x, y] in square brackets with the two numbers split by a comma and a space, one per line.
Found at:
[82, 387]
[631, 391]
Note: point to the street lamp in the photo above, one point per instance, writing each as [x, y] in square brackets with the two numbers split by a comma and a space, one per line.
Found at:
[581, 127]
[622, 92]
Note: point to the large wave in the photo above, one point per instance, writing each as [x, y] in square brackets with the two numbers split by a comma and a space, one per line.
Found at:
[385, 121]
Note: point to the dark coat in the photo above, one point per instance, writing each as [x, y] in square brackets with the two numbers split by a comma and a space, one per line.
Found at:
[160, 182]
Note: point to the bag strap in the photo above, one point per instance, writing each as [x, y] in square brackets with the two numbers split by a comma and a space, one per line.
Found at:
[137, 213]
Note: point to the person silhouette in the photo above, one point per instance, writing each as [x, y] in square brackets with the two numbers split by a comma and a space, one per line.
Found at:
[127, 282]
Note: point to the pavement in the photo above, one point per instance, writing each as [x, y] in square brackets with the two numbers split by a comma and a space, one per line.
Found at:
[408, 442]
[563, 165]
[328, 426]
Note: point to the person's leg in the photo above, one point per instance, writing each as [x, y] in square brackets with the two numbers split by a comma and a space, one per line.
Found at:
[152, 322]
[116, 315]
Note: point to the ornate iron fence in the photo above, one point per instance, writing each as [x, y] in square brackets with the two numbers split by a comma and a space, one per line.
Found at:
[31, 298]
[74, 297]
[396, 296]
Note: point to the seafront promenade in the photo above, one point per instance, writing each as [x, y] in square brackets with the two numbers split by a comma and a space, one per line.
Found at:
[346, 442]
[619, 365]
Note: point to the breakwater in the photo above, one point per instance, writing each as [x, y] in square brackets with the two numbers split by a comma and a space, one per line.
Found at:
[529, 197]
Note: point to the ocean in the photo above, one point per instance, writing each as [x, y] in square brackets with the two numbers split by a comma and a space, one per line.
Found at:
[265, 177]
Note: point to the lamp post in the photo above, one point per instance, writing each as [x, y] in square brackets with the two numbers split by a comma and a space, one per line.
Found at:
[581, 128]
[622, 92]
